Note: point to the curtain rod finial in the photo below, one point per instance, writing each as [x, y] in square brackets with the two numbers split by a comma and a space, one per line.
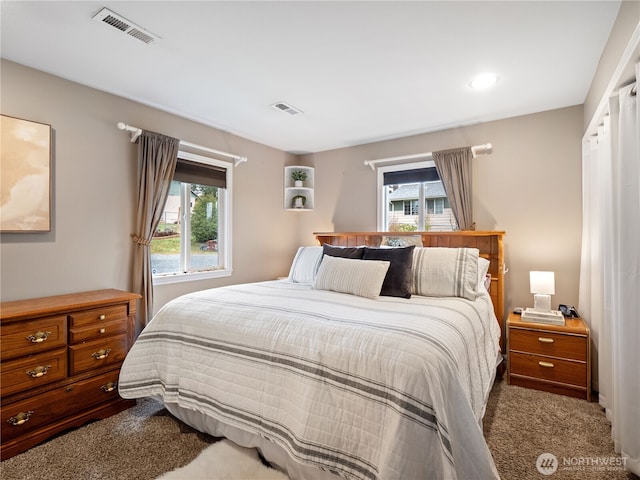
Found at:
[135, 132]
[484, 149]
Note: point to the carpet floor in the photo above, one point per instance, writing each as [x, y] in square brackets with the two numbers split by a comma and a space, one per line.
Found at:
[520, 425]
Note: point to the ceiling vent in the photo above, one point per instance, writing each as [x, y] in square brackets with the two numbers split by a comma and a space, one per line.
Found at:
[108, 17]
[286, 108]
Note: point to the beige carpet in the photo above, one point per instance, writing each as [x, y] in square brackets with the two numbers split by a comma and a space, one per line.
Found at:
[145, 442]
[522, 424]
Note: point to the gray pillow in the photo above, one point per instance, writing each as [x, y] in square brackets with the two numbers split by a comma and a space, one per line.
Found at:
[446, 272]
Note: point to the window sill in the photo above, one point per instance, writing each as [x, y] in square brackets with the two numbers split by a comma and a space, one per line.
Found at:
[190, 277]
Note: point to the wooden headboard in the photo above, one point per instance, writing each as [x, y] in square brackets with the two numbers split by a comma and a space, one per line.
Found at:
[488, 242]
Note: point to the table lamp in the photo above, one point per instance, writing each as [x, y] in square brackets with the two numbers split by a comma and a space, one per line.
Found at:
[542, 286]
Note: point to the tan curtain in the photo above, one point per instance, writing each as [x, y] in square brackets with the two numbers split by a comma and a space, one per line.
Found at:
[157, 157]
[454, 169]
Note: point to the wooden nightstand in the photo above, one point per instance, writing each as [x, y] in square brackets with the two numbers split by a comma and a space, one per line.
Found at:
[553, 358]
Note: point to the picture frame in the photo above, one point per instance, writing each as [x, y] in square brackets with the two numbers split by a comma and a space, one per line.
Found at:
[25, 176]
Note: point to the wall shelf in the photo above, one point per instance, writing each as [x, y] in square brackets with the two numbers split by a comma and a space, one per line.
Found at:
[291, 191]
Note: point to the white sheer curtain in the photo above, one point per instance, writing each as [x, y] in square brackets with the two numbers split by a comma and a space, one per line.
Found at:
[610, 267]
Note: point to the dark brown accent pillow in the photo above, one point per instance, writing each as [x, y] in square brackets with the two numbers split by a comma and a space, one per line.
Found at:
[397, 283]
[343, 252]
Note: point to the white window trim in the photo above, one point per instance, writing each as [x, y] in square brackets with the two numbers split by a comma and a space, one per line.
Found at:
[224, 227]
[382, 194]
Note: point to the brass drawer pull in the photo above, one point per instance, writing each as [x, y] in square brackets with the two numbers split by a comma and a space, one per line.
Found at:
[38, 337]
[102, 317]
[19, 419]
[39, 371]
[545, 340]
[100, 354]
[546, 364]
[109, 387]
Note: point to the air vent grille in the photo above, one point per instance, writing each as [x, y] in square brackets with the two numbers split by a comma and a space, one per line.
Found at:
[114, 20]
[284, 107]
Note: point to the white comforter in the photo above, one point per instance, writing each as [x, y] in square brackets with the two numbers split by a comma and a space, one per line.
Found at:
[367, 389]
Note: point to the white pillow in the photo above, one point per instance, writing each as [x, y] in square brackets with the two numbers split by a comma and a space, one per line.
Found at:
[445, 272]
[305, 265]
[483, 269]
[347, 275]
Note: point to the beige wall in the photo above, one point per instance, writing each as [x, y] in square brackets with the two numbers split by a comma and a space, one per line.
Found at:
[626, 23]
[529, 187]
[94, 194]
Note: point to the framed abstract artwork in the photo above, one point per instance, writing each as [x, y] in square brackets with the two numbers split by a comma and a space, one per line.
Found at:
[25, 175]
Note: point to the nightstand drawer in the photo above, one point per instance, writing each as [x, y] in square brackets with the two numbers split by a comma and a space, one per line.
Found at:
[552, 369]
[549, 343]
[33, 371]
[34, 336]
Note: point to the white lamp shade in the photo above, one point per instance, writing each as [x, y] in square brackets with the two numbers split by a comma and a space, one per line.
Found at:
[542, 282]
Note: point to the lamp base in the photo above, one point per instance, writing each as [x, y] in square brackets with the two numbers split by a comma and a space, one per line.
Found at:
[552, 317]
[542, 302]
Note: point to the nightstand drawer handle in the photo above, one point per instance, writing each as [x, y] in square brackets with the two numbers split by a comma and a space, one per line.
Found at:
[109, 387]
[38, 337]
[545, 340]
[39, 371]
[103, 317]
[546, 364]
[100, 354]
[19, 419]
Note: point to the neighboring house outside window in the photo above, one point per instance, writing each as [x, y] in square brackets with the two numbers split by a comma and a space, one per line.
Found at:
[403, 189]
[193, 239]
[410, 207]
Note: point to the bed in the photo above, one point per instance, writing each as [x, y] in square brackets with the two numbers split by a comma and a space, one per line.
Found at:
[373, 359]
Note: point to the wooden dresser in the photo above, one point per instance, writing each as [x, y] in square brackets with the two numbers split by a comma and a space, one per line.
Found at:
[553, 358]
[60, 361]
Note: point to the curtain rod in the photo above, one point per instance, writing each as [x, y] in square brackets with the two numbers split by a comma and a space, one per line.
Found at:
[476, 150]
[136, 132]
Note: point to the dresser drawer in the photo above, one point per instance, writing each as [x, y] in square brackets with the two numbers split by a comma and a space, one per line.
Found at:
[545, 368]
[97, 330]
[548, 343]
[31, 337]
[33, 371]
[96, 354]
[27, 415]
[96, 316]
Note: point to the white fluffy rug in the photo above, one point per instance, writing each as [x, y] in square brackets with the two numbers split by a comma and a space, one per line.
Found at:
[225, 460]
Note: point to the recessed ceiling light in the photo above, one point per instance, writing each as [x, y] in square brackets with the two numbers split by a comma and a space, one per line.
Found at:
[483, 81]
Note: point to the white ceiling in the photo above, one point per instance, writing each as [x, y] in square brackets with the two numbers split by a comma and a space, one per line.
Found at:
[360, 71]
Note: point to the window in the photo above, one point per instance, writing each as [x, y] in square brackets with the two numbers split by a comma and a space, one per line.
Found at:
[412, 197]
[192, 240]
[436, 205]
[410, 207]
